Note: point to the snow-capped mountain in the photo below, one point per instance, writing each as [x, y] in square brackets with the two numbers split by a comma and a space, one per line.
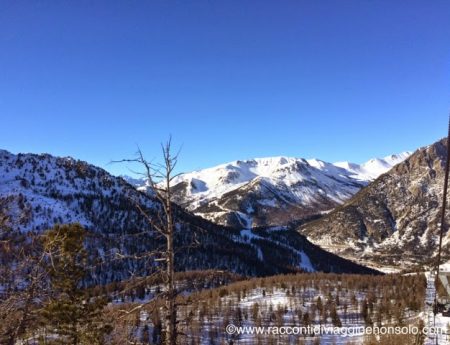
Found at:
[38, 191]
[373, 168]
[274, 191]
[393, 221]
[134, 181]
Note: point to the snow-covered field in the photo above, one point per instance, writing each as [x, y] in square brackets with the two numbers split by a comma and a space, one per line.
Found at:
[345, 306]
[279, 300]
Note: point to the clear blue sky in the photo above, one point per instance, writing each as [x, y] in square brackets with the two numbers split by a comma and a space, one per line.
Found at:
[336, 80]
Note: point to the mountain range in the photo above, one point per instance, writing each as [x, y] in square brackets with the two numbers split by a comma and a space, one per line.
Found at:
[274, 191]
[254, 217]
[39, 191]
[394, 221]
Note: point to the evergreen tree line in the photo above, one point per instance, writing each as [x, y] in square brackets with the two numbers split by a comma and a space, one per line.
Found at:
[306, 300]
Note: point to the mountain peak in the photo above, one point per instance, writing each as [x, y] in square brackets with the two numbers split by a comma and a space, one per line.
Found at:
[395, 219]
[39, 191]
[250, 190]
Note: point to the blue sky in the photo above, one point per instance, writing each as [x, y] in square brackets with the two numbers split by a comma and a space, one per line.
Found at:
[336, 80]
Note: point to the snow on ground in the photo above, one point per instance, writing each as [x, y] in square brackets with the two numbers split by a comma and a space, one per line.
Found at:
[279, 299]
[430, 320]
[246, 236]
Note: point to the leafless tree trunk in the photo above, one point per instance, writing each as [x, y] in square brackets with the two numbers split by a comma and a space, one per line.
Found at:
[159, 178]
[171, 317]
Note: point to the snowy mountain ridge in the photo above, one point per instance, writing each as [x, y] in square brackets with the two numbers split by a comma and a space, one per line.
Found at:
[374, 167]
[38, 191]
[247, 193]
[395, 221]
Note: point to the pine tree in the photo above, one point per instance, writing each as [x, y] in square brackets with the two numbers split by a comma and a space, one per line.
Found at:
[306, 319]
[319, 305]
[365, 312]
[145, 335]
[69, 315]
[335, 319]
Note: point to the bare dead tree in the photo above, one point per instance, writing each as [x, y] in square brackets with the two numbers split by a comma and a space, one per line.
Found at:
[159, 177]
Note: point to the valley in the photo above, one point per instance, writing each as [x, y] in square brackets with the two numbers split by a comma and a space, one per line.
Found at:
[268, 243]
